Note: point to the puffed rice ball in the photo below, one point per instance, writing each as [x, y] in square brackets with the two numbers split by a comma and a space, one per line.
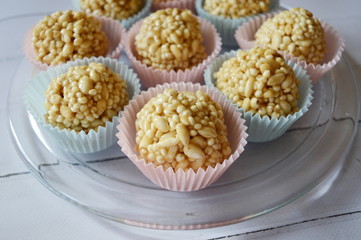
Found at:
[182, 130]
[260, 81]
[69, 35]
[170, 39]
[112, 8]
[236, 8]
[85, 97]
[295, 32]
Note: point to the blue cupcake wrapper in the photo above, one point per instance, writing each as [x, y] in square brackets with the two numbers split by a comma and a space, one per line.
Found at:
[72, 141]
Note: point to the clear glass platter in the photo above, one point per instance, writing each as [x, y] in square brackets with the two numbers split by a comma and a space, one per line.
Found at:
[267, 176]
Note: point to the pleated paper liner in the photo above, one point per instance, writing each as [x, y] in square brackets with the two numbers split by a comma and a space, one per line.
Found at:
[34, 100]
[181, 180]
[180, 4]
[150, 77]
[227, 26]
[112, 28]
[335, 45]
[128, 22]
[263, 129]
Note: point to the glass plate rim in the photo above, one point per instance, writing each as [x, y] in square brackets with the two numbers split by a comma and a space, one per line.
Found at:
[23, 157]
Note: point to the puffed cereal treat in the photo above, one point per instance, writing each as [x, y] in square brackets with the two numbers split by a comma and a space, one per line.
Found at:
[171, 45]
[79, 102]
[111, 8]
[176, 134]
[84, 98]
[182, 130]
[236, 9]
[180, 4]
[170, 39]
[70, 35]
[127, 12]
[298, 36]
[295, 32]
[270, 92]
[228, 15]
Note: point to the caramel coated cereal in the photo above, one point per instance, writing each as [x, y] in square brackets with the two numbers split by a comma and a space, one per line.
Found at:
[295, 32]
[236, 8]
[259, 80]
[85, 97]
[182, 130]
[112, 8]
[170, 39]
[69, 35]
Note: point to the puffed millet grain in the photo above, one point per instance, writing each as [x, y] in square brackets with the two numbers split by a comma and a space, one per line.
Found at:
[170, 39]
[85, 97]
[260, 81]
[236, 8]
[182, 130]
[69, 35]
[112, 8]
[295, 32]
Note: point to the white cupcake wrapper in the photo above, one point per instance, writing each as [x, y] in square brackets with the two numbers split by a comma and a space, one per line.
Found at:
[262, 129]
[227, 26]
[180, 4]
[335, 45]
[180, 180]
[127, 23]
[150, 77]
[115, 33]
[34, 100]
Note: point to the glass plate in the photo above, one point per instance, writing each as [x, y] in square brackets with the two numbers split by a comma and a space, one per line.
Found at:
[265, 177]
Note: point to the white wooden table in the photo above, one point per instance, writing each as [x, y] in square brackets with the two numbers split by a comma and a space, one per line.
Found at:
[30, 211]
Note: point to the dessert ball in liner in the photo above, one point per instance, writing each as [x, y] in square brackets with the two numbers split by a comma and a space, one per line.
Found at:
[181, 180]
[127, 22]
[265, 128]
[114, 31]
[226, 27]
[245, 36]
[73, 141]
[181, 4]
[150, 76]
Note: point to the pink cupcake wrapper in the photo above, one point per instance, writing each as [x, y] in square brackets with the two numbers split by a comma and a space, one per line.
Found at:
[335, 45]
[180, 4]
[112, 28]
[150, 77]
[180, 180]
